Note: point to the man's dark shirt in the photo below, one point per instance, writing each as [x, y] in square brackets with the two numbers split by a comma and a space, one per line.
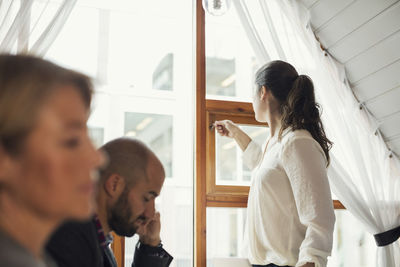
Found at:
[77, 244]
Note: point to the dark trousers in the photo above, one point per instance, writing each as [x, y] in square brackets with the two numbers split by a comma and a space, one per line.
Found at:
[269, 265]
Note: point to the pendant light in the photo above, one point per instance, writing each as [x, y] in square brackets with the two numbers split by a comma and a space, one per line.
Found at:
[216, 7]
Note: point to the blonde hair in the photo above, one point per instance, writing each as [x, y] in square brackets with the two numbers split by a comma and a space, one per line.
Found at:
[25, 83]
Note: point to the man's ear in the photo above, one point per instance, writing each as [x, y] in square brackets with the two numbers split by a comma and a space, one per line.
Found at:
[114, 185]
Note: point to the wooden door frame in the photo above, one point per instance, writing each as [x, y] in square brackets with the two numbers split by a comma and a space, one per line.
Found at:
[200, 254]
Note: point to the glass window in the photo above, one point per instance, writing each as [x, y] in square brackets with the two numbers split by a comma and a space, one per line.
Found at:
[146, 43]
[230, 61]
[154, 130]
[230, 169]
[140, 54]
[96, 134]
[352, 245]
[220, 76]
[130, 245]
[163, 74]
[225, 227]
[77, 44]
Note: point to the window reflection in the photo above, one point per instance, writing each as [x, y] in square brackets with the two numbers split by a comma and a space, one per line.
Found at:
[220, 76]
[352, 246]
[230, 169]
[230, 60]
[225, 228]
[154, 130]
[140, 56]
[96, 134]
[163, 74]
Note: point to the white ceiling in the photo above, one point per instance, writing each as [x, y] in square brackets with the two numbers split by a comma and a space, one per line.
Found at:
[364, 35]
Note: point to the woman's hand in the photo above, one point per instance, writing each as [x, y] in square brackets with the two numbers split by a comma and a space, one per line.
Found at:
[230, 129]
[226, 128]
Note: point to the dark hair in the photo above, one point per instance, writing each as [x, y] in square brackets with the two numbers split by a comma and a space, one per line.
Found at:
[296, 96]
[25, 83]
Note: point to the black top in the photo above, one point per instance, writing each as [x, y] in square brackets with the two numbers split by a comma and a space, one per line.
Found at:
[76, 244]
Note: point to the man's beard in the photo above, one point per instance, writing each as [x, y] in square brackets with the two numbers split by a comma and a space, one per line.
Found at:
[120, 215]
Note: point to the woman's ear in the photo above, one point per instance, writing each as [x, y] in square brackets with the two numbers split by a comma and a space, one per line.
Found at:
[114, 185]
[263, 93]
[266, 94]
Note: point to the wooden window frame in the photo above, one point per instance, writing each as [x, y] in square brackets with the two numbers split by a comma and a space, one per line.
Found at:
[238, 112]
[118, 248]
[233, 196]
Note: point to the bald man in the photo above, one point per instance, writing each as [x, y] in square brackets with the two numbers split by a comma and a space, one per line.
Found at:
[125, 197]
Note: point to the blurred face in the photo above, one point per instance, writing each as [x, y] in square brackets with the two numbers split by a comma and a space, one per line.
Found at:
[54, 172]
[136, 205]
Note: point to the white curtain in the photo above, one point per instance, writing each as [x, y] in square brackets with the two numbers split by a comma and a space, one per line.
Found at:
[31, 26]
[364, 174]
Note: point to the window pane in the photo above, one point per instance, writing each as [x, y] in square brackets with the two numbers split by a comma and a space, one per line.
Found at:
[163, 75]
[225, 227]
[77, 44]
[140, 54]
[230, 169]
[96, 134]
[143, 56]
[230, 61]
[154, 130]
[352, 246]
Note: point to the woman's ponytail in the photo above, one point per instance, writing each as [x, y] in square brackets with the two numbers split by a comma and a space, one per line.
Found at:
[297, 100]
[300, 107]
[300, 111]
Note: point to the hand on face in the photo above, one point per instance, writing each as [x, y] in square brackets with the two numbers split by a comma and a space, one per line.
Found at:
[225, 128]
[149, 233]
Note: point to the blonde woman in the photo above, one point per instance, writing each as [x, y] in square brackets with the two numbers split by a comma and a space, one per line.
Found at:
[46, 158]
[290, 216]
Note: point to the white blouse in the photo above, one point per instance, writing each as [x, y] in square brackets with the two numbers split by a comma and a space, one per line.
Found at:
[290, 216]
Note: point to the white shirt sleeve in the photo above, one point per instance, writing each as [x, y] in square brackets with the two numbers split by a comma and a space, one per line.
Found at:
[305, 165]
[252, 155]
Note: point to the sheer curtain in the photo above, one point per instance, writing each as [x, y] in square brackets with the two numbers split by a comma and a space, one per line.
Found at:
[364, 174]
[31, 26]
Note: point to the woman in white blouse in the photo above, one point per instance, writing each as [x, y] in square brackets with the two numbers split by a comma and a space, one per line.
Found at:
[290, 217]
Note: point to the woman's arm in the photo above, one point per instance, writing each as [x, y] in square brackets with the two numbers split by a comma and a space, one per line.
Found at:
[305, 165]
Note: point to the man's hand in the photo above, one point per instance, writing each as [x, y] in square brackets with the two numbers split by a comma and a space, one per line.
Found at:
[149, 233]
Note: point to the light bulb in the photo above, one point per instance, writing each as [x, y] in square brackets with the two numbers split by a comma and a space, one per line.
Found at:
[216, 7]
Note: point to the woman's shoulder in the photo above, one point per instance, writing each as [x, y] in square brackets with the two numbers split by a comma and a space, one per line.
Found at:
[301, 139]
[289, 135]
